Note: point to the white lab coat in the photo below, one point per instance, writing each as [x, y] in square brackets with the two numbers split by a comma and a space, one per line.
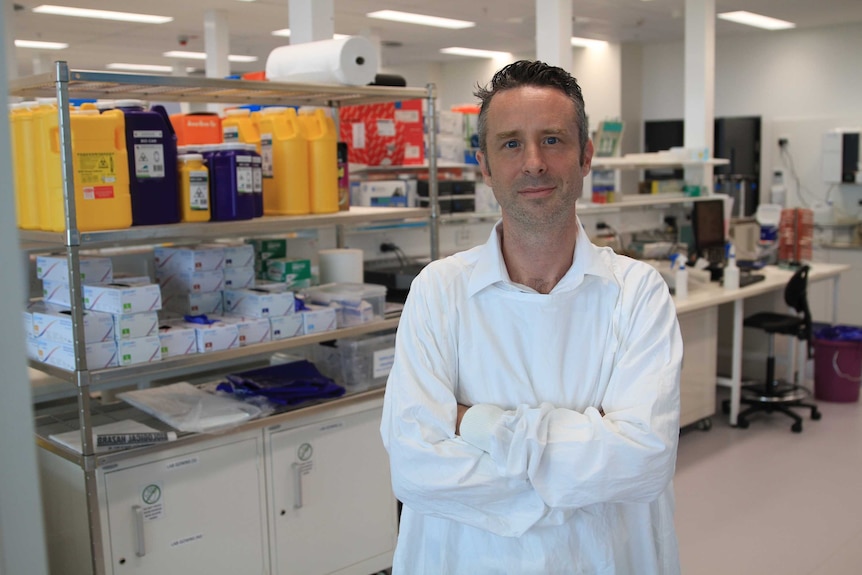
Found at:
[538, 482]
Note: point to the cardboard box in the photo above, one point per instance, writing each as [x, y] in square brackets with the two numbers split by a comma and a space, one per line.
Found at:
[55, 324]
[195, 303]
[256, 302]
[286, 326]
[135, 325]
[56, 268]
[56, 292]
[181, 259]
[238, 278]
[177, 340]
[190, 282]
[288, 270]
[99, 355]
[318, 319]
[122, 298]
[251, 330]
[235, 255]
[139, 350]
[386, 134]
[385, 193]
[217, 336]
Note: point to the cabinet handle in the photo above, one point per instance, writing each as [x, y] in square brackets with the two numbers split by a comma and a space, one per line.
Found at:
[297, 493]
[140, 545]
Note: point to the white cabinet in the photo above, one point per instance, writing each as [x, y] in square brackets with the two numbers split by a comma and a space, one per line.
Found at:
[195, 509]
[332, 510]
[697, 382]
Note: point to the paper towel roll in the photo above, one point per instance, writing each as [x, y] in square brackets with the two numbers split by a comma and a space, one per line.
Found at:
[352, 60]
[340, 265]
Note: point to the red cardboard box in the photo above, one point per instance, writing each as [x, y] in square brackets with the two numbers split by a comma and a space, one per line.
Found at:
[389, 134]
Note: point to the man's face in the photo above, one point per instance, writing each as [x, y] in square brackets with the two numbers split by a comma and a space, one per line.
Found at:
[533, 155]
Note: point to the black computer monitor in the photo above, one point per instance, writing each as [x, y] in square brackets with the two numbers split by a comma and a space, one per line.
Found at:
[707, 223]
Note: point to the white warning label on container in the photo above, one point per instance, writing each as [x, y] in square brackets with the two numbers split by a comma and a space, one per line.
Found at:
[149, 161]
[266, 155]
[382, 362]
[358, 132]
[152, 503]
[199, 190]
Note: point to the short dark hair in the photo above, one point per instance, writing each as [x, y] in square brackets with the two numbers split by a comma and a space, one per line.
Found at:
[531, 73]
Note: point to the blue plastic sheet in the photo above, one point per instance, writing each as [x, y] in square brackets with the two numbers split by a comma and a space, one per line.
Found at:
[839, 333]
[283, 384]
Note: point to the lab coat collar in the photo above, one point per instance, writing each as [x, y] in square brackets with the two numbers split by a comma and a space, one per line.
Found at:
[587, 260]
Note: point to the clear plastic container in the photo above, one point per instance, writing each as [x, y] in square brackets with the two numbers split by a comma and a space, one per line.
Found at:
[357, 363]
[350, 295]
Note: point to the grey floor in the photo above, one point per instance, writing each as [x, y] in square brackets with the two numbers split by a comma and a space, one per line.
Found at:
[765, 501]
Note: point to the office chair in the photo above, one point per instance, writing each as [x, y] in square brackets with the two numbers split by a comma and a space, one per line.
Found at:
[778, 395]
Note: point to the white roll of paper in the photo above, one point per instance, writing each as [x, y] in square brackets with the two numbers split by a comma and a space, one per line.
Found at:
[352, 60]
[340, 265]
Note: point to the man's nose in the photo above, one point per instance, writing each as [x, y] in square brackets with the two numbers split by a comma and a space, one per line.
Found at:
[534, 162]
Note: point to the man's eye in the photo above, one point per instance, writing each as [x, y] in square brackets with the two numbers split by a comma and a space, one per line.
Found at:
[511, 144]
[552, 140]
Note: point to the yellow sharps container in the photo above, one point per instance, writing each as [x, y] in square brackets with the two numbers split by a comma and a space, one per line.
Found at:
[284, 150]
[102, 197]
[319, 130]
[26, 203]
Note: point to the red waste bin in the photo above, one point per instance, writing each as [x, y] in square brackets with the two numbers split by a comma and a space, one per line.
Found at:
[837, 367]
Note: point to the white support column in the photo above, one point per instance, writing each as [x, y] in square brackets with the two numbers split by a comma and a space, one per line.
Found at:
[311, 20]
[43, 63]
[217, 44]
[6, 29]
[699, 83]
[554, 32]
[178, 68]
[22, 530]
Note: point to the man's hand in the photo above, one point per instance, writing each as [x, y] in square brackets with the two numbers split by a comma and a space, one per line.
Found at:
[462, 409]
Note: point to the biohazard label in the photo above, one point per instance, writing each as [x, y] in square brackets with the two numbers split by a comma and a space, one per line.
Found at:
[199, 190]
[98, 192]
[149, 161]
[95, 167]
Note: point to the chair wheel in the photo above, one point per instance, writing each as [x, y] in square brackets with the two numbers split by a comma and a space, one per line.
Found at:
[742, 424]
[816, 415]
[796, 427]
[704, 424]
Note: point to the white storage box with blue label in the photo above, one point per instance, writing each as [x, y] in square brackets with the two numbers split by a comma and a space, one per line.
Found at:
[255, 302]
[122, 298]
[55, 324]
[56, 268]
[189, 260]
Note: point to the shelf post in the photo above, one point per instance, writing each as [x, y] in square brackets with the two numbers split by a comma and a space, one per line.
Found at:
[434, 222]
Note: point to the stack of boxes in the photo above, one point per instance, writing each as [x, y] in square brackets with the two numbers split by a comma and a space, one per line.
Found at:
[120, 319]
[192, 280]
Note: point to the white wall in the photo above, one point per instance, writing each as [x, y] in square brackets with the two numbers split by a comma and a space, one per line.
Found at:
[597, 71]
[801, 83]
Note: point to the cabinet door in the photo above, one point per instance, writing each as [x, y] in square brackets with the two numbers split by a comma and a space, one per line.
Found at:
[190, 511]
[333, 510]
[697, 381]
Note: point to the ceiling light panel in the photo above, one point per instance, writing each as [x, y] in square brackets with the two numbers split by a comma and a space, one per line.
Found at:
[101, 14]
[409, 18]
[474, 53]
[184, 55]
[587, 42]
[143, 67]
[756, 20]
[38, 45]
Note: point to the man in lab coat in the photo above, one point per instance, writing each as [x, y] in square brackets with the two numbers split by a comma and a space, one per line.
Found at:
[532, 412]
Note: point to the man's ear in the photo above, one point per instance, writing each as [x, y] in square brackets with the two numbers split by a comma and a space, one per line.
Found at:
[588, 158]
[483, 165]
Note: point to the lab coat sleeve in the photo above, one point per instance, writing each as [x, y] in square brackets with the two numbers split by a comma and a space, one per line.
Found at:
[435, 472]
[628, 455]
